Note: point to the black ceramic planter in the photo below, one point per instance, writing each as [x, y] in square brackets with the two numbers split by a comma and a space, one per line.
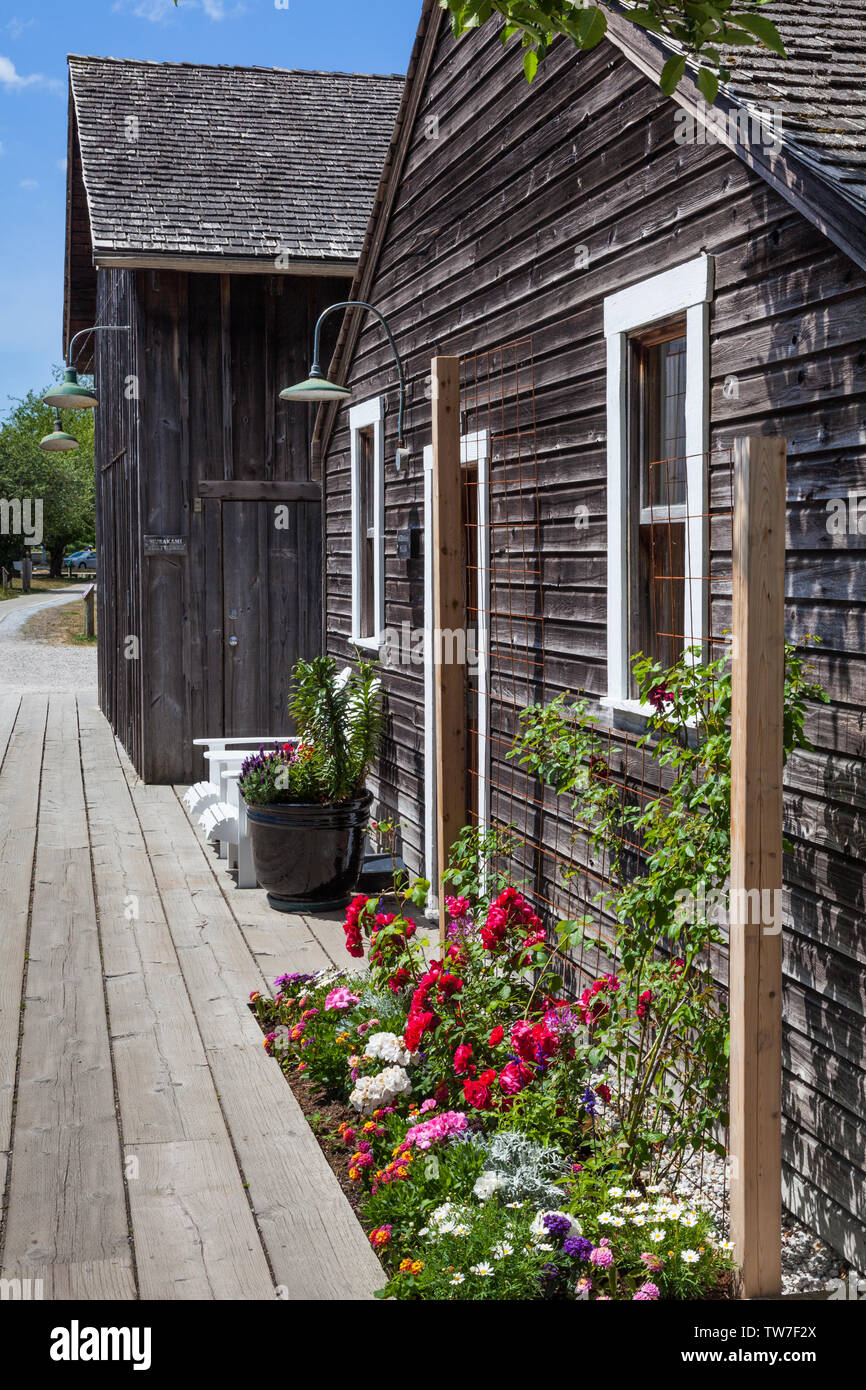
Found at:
[308, 858]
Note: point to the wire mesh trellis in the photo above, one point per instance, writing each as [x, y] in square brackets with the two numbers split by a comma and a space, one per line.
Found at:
[678, 598]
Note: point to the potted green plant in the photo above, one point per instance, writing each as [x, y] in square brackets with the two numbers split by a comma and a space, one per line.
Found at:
[307, 804]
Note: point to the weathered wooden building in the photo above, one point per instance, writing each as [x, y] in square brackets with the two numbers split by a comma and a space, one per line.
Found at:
[611, 236]
[215, 211]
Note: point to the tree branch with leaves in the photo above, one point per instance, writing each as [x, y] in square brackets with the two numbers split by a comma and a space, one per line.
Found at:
[699, 28]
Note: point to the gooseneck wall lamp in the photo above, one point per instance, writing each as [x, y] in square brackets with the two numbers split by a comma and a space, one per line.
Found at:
[58, 441]
[318, 388]
[69, 394]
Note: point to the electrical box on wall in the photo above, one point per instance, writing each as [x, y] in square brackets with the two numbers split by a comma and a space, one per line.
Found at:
[409, 543]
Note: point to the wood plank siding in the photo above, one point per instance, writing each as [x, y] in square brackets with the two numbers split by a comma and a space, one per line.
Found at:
[190, 396]
[518, 211]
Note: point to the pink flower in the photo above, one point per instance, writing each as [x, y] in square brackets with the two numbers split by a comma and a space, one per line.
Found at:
[341, 998]
[428, 1105]
[602, 1256]
[438, 1127]
[646, 1293]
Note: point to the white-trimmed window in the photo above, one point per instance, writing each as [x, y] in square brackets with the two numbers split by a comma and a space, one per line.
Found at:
[366, 425]
[657, 336]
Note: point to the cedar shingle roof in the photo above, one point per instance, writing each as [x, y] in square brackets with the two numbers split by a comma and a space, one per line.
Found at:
[819, 92]
[230, 161]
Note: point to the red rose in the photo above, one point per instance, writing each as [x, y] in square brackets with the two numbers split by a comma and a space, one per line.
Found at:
[478, 1092]
[497, 1035]
[461, 1059]
[513, 1078]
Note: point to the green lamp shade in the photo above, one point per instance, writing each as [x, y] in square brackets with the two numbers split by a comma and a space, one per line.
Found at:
[69, 395]
[315, 388]
[58, 441]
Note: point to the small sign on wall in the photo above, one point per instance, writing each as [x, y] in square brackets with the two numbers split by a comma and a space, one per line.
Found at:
[164, 545]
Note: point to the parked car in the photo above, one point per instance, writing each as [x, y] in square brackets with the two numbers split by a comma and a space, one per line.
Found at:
[81, 560]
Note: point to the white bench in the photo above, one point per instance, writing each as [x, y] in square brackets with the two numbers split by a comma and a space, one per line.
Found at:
[199, 796]
[218, 804]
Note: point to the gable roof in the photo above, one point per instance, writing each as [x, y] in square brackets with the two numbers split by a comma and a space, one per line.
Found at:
[819, 91]
[820, 165]
[220, 167]
[817, 158]
[185, 159]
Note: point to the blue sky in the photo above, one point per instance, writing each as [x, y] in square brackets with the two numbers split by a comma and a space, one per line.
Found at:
[343, 35]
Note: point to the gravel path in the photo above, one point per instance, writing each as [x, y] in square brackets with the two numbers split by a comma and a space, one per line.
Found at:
[38, 666]
[808, 1263]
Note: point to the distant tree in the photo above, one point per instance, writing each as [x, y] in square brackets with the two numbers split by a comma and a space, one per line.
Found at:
[700, 27]
[63, 482]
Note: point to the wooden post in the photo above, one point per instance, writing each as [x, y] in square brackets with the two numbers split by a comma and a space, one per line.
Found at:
[89, 601]
[756, 863]
[449, 612]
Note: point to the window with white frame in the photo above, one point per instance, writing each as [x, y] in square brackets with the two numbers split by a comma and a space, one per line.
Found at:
[366, 425]
[657, 336]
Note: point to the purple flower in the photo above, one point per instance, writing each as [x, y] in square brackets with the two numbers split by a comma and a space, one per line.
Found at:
[578, 1247]
[557, 1225]
[550, 1271]
[589, 1101]
[284, 981]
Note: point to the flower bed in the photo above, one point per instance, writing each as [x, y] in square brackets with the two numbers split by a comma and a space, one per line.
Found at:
[504, 1141]
[477, 1127]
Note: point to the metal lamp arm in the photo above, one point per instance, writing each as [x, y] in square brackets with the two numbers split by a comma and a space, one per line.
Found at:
[97, 328]
[362, 304]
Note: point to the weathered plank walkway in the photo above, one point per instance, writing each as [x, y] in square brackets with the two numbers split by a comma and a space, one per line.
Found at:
[149, 1148]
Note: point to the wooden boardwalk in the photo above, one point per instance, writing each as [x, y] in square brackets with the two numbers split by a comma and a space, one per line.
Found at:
[149, 1148]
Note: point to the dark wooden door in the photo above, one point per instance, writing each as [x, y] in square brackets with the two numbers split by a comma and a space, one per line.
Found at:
[271, 587]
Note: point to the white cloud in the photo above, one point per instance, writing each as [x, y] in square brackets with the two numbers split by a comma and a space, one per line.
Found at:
[28, 185]
[165, 11]
[17, 26]
[13, 81]
[215, 9]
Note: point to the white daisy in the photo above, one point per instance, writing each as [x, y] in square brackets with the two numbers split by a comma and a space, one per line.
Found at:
[460, 1230]
[605, 1216]
[689, 1219]
[656, 1187]
[638, 1220]
[484, 1269]
[617, 1221]
[657, 1235]
[512, 1205]
[457, 1279]
[690, 1257]
[542, 1245]
[641, 1206]
[726, 1245]
[615, 1191]
[502, 1250]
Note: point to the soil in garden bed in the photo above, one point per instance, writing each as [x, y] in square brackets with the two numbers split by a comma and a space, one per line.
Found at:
[323, 1116]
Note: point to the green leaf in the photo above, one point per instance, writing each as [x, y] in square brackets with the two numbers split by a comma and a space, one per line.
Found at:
[708, 85]
[764, 30]
[530, 63]
[592, 25]
[671, 73]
